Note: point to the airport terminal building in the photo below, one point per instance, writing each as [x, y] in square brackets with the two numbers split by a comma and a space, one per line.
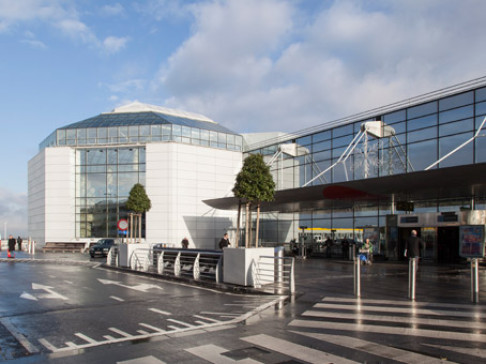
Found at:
[417, 164]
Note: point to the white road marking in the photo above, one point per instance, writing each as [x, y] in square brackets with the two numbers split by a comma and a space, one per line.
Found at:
[144, 287]
[31, 348]
[182, 323]
[156, 310]
[143, 332]
[50, 292]
[28, 296]
[206, 318]
[145, 360]
[48, 345]
[85, 338]
[295, 350]
[400, 303]
[157, 329]
[212, 354]
[384, 351]
[117, 298]
[409, 310]
[120, 332]
[227, 314]
[389, 318]
[71, 344]
[480, 353]
[407, 331]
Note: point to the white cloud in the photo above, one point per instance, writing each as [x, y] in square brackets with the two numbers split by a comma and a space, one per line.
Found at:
[112, 10]
[114, 44]
[35, 43]
[13, 213]
[266, 65]
[59, 14]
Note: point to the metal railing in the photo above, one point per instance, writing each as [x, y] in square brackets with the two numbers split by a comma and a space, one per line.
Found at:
[271, 274]
[190, 263]
[275, 274]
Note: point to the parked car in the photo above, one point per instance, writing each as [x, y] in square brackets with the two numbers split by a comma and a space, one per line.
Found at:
[102, 247]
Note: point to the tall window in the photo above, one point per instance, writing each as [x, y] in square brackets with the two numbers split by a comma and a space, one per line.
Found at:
[104, 178]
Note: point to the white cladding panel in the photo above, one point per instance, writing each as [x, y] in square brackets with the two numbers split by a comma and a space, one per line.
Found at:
[52, 195]
[178, 183]
[36, 197]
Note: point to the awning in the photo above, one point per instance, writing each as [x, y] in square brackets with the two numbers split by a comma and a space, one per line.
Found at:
[462, 182]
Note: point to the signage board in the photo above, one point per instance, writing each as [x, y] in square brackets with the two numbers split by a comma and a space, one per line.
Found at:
[471, 241]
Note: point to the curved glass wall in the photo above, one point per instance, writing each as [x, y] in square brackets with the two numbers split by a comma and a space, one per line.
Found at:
[104, 178]
[142, 134]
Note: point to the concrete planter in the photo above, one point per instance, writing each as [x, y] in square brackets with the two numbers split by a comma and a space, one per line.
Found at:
[240, 266]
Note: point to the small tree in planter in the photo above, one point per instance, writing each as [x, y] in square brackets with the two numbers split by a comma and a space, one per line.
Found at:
[138, 202]
[254, 185]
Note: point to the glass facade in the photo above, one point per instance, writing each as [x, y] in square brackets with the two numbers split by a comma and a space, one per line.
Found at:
[104, 178]
[141, 128]
[423, 134]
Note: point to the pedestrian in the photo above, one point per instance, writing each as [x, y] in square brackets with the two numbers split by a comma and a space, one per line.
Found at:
[19, 243]
[185, 243]
[224, 242]
[328, 244]
[367, 249]
[11, 247]
[345, 248]
[413, 246]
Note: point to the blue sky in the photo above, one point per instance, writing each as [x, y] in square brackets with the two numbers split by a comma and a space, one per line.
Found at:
[251, 65]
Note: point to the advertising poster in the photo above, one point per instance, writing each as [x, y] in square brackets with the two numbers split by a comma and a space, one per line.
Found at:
[471, 241]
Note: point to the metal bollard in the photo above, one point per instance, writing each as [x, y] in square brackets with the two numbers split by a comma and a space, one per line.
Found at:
[412, 269]
[357, 277]
[292, 278]
[280, 267]
[474, 280]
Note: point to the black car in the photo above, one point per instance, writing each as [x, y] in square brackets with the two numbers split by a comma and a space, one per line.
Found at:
[102, 247]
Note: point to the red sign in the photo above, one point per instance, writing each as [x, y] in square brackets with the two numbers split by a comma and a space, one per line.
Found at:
[122, 224]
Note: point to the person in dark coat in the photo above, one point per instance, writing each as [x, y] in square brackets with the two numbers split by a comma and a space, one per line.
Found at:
[414, 245]
[185, 243]
[19, 244]
[11, 246]
[224, 242]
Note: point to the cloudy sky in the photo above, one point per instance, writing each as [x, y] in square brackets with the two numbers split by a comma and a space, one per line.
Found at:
[251, 65]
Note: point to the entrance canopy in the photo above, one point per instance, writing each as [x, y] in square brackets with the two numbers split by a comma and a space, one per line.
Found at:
[462, 182]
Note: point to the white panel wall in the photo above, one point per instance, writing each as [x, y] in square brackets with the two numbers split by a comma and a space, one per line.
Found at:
[52, 195]
[36, 197]
[178, 178]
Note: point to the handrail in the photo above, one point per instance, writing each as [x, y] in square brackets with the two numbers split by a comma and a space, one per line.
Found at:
[275, 274]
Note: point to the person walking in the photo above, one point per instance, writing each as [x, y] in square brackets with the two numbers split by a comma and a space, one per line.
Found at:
[413, 247]
[185, 243]
[11, 247]
[224, 242]
[19, 243]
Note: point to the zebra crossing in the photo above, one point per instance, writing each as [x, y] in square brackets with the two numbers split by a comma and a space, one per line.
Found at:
[349, 330]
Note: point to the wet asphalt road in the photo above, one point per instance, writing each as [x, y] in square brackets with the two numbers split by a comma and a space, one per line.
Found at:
[51, 308]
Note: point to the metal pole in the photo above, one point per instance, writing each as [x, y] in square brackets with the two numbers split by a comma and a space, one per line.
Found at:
[279, 285]
[357, 277]
[412, 264]
[292, 277]
[474, 280]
